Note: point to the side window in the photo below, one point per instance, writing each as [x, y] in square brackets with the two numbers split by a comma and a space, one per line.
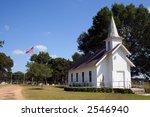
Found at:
[90, 76]
[76, 77]
[82, 76]
[115, 57]
[71, 77]
[108, 45]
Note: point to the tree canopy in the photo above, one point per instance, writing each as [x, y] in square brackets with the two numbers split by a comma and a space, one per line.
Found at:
[133, 24]
[18, 77]
[38, 67]
[41, 58]
[76, 56]
[1, 43]
[60, 68]
[42, 66]
[38, 71]
[6, 63]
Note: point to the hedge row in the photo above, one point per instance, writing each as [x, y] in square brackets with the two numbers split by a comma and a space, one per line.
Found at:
[102, 90]
[61, 86]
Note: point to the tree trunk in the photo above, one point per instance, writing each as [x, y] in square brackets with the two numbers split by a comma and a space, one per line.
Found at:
[1, 76]
[45, 81]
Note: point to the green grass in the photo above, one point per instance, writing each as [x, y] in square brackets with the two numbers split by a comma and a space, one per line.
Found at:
[53, 93]
[1, 86]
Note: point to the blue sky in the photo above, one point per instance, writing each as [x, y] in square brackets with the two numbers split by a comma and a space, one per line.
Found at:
[48, 25]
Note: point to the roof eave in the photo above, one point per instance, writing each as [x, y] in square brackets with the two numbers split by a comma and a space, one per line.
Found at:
[130, 62]
[100, 60]
[121, 45]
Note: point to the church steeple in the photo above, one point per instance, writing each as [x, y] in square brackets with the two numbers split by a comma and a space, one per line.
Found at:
[113, 30]
[113, 38]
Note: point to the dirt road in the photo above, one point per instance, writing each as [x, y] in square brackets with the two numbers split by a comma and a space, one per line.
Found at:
[12, 92]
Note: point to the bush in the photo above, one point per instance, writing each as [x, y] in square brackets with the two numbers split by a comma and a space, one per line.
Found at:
[85, 84]
[102, 90]
[117, 90]
[147, 90]
[60, 86]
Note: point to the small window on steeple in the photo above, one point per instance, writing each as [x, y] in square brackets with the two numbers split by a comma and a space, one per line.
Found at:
[108, 45]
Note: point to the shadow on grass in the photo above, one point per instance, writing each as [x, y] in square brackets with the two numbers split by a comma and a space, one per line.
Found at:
[36, 88]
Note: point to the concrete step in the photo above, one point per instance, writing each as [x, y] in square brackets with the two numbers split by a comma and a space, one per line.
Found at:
[138, 90]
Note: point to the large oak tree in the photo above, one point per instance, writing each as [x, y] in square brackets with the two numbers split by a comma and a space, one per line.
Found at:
[133, 24]
[6, 63]
[60, 67]
[38, 67]
[39, 72]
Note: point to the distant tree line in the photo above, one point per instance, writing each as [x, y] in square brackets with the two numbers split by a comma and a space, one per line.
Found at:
[45, 69]
[41, 69]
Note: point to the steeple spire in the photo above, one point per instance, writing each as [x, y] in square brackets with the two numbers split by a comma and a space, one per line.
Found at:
[113, 38]
[113, 30]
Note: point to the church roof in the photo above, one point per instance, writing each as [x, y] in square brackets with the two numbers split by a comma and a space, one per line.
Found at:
[94, 59]
[87, 60]
[91, 59]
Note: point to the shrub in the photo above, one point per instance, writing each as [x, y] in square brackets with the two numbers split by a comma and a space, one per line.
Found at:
[102, 90]
[118, 90]
[147, 90]
[85, 84]
[60, 86]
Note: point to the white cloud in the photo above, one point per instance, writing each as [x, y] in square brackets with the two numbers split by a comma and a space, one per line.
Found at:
[148, 9]
[14, 64]
[40, 47]
[54, 56]
[18, 52]
[47, 33]
[37, 47]
[6, 27]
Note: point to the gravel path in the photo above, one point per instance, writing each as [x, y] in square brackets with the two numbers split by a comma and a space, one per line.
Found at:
[12, 92]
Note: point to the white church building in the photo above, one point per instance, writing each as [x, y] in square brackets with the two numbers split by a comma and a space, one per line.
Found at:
[106, 68]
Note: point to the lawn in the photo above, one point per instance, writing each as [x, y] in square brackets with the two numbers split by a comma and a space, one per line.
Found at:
[2, 86]
[54, 93]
